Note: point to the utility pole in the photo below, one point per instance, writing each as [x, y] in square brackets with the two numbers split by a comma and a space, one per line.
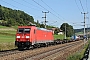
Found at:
[45, 17]
[84, 25]
[65, 30]
[87, 32]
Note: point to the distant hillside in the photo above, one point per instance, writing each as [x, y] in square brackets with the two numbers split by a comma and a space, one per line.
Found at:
[82, 29]
[10, 17]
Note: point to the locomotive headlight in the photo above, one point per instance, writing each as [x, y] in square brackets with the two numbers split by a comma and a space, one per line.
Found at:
[18, 36]
[27, 37]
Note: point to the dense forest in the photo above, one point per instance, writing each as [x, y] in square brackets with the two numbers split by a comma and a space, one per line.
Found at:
[10, 17]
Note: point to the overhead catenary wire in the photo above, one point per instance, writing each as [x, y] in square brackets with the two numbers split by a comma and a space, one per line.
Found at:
[12, 5]
[49, 11]
[86, 6]
[25, 5]
[39, 5]
[44, 8]
[87, 11]
[79, 11]
[8, 3]
[81, 5]
[56, 15]
[29, 3]
[28, 7]
[64, 20]
[32, 5]
[77, 6]
[18, 7]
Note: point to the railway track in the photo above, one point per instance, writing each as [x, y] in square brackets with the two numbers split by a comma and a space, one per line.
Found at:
[9, 52]
[39, 53]
[46, 55]
[63, 53]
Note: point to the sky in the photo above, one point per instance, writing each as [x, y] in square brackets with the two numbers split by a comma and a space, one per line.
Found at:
[60, 11]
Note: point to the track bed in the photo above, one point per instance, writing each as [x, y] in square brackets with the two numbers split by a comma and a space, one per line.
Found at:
[56, 52]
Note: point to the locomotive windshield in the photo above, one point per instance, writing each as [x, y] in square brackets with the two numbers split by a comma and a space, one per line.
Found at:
[24, 30]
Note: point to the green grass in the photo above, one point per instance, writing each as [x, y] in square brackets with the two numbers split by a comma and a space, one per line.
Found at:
[6, 38]
[7, 42]
[58, 36]
[2, 26]
[15, 27]
[5, 27]
[8, 32]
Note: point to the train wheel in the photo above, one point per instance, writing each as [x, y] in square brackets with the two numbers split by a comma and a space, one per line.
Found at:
[28, 48]
[20, 49]
[32, 47]
[38, 45]
[47, 44]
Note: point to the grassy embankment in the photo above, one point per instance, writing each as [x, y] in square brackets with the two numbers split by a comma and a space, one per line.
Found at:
[7, 38]
[61, 37]
[80, 54]
[7, 34]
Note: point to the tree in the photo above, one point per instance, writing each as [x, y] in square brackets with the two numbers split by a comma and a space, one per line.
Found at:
[42, 25]
[69, 29]
[37, 23]
[57, 30]
[14, 17]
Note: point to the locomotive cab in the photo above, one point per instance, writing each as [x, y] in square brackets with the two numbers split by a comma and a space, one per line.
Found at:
[23, 37]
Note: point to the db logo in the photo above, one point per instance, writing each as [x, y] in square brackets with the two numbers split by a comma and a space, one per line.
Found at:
[22, 36]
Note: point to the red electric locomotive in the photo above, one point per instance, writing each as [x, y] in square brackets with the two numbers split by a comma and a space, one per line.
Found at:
[28, 36]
